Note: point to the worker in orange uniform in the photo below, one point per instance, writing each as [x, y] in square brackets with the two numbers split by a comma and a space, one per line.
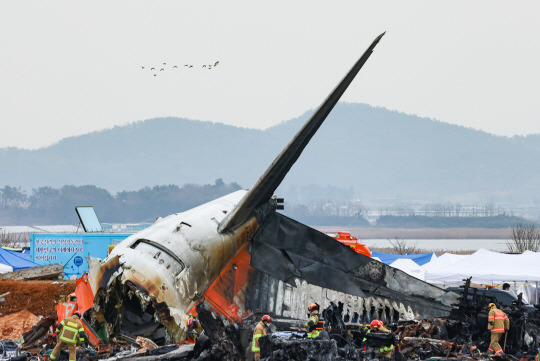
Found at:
[69, 331]
[314, 325]
[498, 323]
[385, 350]
[194, 329]
[258, 332]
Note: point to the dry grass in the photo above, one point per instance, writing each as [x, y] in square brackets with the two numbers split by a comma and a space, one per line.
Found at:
[391, 250]
[15, 240]
[431, 233]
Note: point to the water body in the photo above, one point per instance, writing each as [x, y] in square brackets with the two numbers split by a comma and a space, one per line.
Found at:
[449, 245]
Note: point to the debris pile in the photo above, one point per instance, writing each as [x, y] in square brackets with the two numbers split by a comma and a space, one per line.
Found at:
[463, 336]
[279, 349]
[424, 339]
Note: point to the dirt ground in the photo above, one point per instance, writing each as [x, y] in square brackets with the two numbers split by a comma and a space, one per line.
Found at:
[14, 325]
[37, 297]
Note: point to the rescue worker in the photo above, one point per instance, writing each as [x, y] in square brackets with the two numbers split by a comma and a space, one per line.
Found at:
[384, 350]
[194, 329]
[364, 332]
[258, 332]
[314, 325]
[69, 331]
[498, 323]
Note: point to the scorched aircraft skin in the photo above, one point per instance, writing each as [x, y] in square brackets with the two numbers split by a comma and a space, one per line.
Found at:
[151, 280]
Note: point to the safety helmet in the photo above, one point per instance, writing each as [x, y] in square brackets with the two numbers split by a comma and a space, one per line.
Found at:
[77, 313]
[266, 318]
[376, 324]
[491, 305]
[314, 306]
[192, 323]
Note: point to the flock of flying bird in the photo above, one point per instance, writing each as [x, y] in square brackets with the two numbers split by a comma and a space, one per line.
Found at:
[156, 69]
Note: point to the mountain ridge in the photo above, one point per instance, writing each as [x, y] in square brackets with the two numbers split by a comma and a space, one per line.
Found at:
[377, 152]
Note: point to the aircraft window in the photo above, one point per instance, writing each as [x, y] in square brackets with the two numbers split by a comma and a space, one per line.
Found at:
[160, 253]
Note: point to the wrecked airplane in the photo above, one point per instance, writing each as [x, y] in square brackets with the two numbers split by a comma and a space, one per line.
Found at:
[240, 255]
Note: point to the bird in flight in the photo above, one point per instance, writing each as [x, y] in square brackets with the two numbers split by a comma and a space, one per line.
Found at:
[152, 68]
[162, 69]
[176, 66]
[217, 62]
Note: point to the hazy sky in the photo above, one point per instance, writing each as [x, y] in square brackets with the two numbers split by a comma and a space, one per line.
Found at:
[72, 67]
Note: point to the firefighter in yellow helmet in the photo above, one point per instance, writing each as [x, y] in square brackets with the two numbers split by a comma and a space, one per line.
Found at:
[385, 350]
[69, 331]
[314, 325]
[498, 323]
[258, 332]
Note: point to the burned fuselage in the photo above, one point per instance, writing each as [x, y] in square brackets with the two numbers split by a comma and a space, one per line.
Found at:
[151, 280]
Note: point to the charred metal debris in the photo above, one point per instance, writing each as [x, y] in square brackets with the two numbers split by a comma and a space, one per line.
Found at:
[462, 336]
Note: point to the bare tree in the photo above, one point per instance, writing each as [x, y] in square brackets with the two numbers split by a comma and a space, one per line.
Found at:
[524, 238]
[14, 240]
[400, 246]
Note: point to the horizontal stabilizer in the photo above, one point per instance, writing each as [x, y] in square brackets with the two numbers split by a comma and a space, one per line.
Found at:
[272, 178]
[289, 250]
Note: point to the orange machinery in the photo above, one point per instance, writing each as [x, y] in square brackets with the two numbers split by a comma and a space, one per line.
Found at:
[351, 241]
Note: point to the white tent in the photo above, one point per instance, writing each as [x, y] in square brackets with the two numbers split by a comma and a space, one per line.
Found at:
[4, 268]
[443, 260]
[489, 267]
[410, 267]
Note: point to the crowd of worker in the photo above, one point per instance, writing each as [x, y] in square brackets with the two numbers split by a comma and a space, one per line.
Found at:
[70, 331]
[314, 328]
[498, 324]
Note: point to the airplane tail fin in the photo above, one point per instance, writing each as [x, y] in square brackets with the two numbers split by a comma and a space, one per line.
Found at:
[265, 187]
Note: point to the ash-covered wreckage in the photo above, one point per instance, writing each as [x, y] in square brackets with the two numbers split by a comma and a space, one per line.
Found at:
[240, 255]
[346, 335]
[232, 260]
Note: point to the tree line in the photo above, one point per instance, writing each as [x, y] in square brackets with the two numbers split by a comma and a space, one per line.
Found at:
[47, 205]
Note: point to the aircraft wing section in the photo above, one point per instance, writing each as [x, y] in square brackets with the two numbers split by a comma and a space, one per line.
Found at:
[272, 178]
[289, 250]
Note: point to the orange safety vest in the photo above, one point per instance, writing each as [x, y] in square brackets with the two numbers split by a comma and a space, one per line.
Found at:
[498, 322]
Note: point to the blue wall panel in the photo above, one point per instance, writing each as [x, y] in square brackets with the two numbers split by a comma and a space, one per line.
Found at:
[71, 249]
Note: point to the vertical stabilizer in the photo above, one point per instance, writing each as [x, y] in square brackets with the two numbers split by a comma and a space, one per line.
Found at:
[272, 178]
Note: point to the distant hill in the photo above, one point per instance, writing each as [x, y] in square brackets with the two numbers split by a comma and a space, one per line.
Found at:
[369, 153]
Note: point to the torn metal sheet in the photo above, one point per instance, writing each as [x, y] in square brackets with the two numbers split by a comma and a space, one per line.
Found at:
[294, 253]
[163, 270]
